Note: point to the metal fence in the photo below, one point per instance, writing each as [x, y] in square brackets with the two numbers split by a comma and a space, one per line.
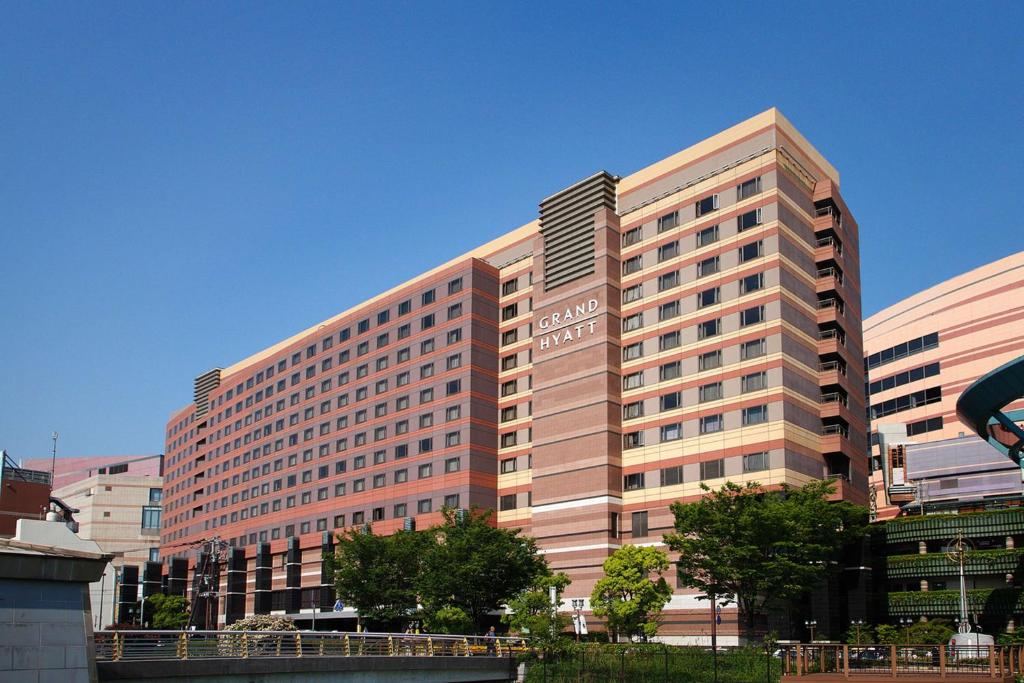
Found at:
[135, 645]
[899, 660]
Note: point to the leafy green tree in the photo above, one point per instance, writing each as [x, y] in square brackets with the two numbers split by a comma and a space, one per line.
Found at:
[475, 566]
[531, 612]
[887, 634]
[628, 596]
[860, 635]
[377, 574]
[931, 632]
[762, 548]
[166, 612]
[447, 620]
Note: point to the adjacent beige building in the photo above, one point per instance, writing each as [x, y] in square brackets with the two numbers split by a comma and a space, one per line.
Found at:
[122, 513]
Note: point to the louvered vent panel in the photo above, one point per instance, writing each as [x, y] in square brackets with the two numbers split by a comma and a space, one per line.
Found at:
[567, 224]
[204, 384]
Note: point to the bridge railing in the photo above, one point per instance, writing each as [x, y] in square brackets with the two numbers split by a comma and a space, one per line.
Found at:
[896, 661]
[135, 645]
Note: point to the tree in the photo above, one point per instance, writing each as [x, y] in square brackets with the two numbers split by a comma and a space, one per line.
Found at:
[447, 620]
[628, 597]
[262, 622]
[476, 567]
[377, 574]
[531, 612]
[761, 548]
[166, 612]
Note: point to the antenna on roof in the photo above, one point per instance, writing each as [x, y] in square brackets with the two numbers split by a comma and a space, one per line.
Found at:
[53, 463]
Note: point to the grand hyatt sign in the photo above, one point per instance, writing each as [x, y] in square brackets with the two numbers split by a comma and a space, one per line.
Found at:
[564, 327]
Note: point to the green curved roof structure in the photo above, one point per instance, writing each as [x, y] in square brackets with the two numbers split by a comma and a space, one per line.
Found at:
[981, 405]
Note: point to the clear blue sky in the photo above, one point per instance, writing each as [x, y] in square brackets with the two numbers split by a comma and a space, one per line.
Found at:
[183, 184]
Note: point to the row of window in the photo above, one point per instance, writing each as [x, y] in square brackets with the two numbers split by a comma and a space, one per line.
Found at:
[754, 348]
[707, 424]
[899, 379]
[709, 469]
[709, 392]
[907, 348]
[703, 207]
[906, 402]
[704, 267]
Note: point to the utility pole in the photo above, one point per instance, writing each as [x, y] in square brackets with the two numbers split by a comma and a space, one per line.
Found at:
[53, 462]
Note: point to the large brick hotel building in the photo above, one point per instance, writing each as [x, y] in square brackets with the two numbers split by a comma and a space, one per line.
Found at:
[696, 321]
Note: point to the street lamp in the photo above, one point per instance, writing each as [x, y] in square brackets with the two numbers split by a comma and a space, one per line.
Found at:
[857, 624]
[811, 624]
[906, 623]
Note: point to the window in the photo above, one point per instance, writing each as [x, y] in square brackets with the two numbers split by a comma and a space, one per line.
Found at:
[639, 524]
[633, 322]
[151, 517]
[755, 462]
[424, 506]
[754, 382]
[752, 283]
[508, 439]
[668, 251]
[670, 476]
[632, 264]
[633, 440]
[508, 413]
[670, 371]
[633, 351]
[634, 293]
[633, 410]
[709, 328]
[668, 221]
[507, 502]
[711, 392]
[707, 205]
[633, 380]
[711, 423]
[509, 337]
[907, 348]
[749, 252]
[709, 297]
[912, 375]
[508, 465]
[453, 361]
[401, 476]
[670, 401]
[668, 280]
[668, 310]
[708, 266]
[426, 445]
[454, 311]
[748, 220]
[510, 286]
[671, 432]
[452, 413]
[358, 485]
[510, 311]
[401, 450]
[452, 465]
[428, 297]
[508, 388]
[752, 316]
[632, 236]
[633, 482]
[156, 495]
[451, 500]
[669, 340]
[748, 188]
[403, 355]
[753, 349]
[708, 235]
[710, 360]
[755, 415]
[922, 426]
[427, 321]
[906, 402]
[712, 469]
[358, 518]
[378, 481]
[453, 386]
[426, 395]
[455, 286]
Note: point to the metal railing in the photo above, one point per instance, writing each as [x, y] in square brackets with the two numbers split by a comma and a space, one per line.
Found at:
[114, 646]
[895, 661]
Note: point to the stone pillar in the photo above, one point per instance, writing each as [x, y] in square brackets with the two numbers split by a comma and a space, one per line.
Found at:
[234, 604]
[293, 577]
[264, 577]
[326, 601]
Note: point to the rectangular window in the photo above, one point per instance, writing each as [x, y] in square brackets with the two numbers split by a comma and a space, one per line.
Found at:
[709, 328]
[633, 410]
[749, 252]
[712, 469]
[748, 220]
[748, 188]
[510, 311]
[671, 432]
[455, 286]
[711, 392]
[639, 524]
[453, 387]
[632, 265]
[428, 297]
[633, 482]
[668, 221]
[670, 476]
[427, 321]
[708, 266]
[633, 351]
[633, 322]
[755, 462]
[707, 205]
[753, 349]
[669, 340]
[509, 286]
[633, 380]
[151, 517]
[424, 506]
[508, 439]
[755, 415]
[405, 307]
[709, 360]
[454, 311]
[710, 424]
[670, 371]
[668, 251]
[754, 382]
[632, 236]
[633, 440]
[508, 465]
[668, 280]
[669, 310]
[634, 293]
[708, 235]
[507, 502]
[752, 316]
[401, 476]
[709, 297]
[752, 283]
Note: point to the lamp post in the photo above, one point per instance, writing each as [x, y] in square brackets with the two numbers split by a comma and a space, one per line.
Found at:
[857, 624]
[811, 624]
[906, 623]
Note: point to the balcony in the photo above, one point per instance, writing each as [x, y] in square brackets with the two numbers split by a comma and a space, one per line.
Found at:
[828, 248]
[978, 563]
[991, 524]
[988, 601]
[833, 372]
